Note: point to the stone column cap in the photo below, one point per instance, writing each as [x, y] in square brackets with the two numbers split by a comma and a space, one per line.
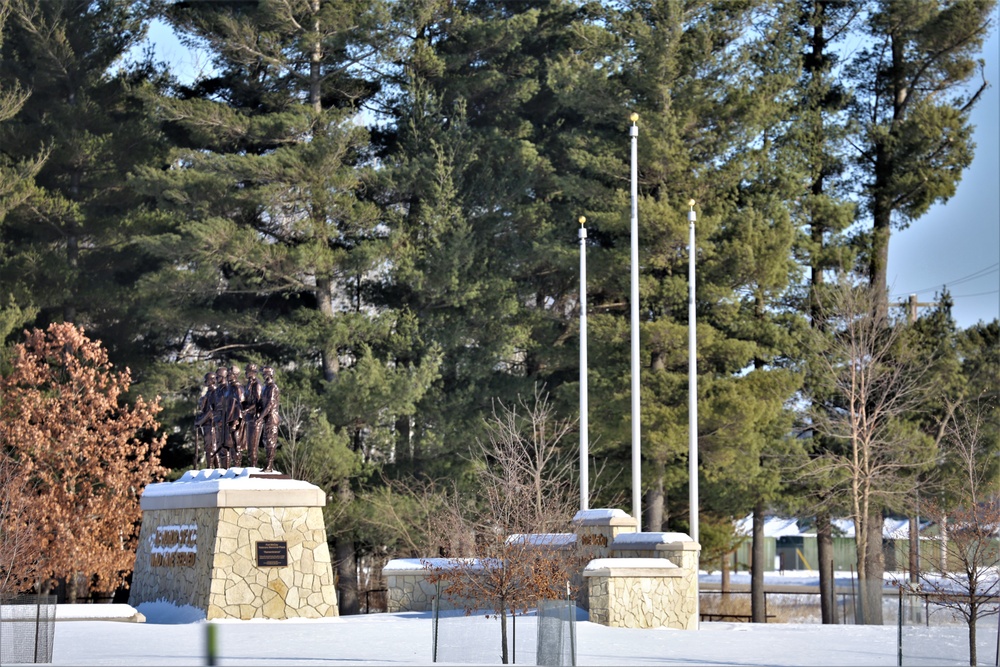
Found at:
[404, 566]
[603, 517]
[234, 487]
[655, 541]
[632, 567]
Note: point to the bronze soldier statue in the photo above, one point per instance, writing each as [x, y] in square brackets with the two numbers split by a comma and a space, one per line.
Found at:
[251, 413]
[204, 423]
[219, 416]
[235, 429]
[269, 401]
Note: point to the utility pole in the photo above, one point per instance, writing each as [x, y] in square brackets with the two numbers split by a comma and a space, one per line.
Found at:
[911, 306]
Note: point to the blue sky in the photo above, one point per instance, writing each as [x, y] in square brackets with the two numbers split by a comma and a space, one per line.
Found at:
[956, 244]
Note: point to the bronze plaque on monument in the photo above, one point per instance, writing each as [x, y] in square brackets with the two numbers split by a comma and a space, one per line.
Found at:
[272, 554]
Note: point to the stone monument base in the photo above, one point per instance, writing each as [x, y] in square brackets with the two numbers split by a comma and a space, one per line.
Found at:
[235, 543]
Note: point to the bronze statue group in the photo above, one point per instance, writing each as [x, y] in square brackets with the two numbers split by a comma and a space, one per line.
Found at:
[234, 421]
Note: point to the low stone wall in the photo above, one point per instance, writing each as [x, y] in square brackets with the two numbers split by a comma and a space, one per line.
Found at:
[205, 542]
[409, 588]
[638, 593]
[635, 580]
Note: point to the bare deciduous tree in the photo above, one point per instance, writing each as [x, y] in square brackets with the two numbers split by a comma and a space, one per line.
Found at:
[867, 380]
[294, 457]
[418, 517]
[972, 526]
[526, 495]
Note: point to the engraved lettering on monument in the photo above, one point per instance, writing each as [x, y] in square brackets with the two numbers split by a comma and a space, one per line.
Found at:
[272, 554]
[174, 546]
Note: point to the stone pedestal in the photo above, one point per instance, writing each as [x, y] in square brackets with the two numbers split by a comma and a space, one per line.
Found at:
[639, 593]
[596, 531]
[237, 544]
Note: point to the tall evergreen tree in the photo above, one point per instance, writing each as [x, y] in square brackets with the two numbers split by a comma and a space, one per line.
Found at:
[278, 248]
[485, 225]
[911, 106]
[711, 103]
[825, 210]
[912, 109]
[70, 251]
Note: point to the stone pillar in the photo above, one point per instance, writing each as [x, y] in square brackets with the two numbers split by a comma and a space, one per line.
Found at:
[596, 531]
[677, 548]
[639, 593]
[235, 545]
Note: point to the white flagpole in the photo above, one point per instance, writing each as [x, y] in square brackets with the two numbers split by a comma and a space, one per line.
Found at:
[636, 413]
[584, 454]
[692, 383]
[693, 403]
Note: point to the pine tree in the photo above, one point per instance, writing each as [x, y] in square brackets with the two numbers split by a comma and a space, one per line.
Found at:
[912, 109]
[16, 175]
[85, 451]
[279, 246]
[483, 250]
[825, 211]
[69, 244]
[711, 104]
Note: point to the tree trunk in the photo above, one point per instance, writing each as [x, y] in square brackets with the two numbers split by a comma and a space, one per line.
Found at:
[914, 551]
[324, 296]
[874, 570]
[972, 638]
[654, 506]
[347, 576]
[943, 564]
[71, 588]
[347, 567]
[724, 567]
[504, 657]
[824, 548]
[757, 602]
[316, 63]
[404, 440]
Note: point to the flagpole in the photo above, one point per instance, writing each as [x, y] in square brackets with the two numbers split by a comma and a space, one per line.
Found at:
[636, 412]
[584, 454]
[692, 381]
[693, 403]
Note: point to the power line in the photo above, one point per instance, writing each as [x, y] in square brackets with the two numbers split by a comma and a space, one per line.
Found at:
[992, 268]
[962, 296]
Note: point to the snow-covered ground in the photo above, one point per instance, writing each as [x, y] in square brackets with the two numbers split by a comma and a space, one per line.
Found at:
[174, 635]
[406, 639]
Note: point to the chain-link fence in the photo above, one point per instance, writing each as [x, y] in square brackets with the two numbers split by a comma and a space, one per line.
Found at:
[27, 628]
[478, 638]
[543, 637]
[556, 643]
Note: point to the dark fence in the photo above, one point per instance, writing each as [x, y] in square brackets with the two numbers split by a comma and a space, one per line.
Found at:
[376, 601]
[801, 604]
[27, 628]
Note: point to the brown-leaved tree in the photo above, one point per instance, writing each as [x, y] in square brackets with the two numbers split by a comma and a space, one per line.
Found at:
[86, 454]
[19, 548]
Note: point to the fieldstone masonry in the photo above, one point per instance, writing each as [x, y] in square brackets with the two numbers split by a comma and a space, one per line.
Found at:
[408, 587]
[202, 534]
[639, 593]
